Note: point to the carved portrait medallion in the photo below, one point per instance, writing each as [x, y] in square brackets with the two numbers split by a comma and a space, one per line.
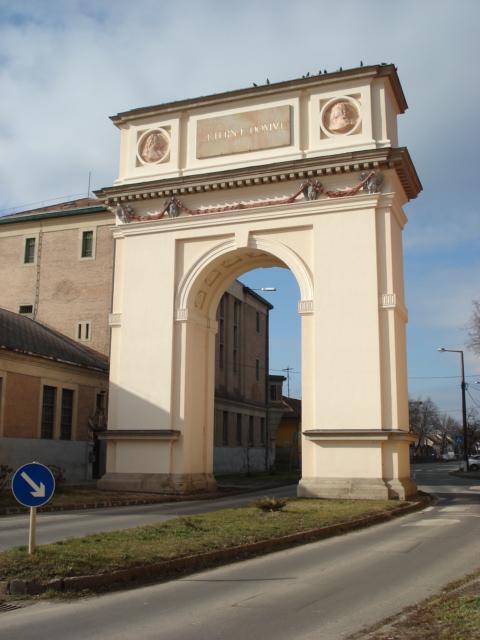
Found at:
[340, 117]
[153, 146]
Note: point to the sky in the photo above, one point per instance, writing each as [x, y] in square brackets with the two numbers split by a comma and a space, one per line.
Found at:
[66, 65]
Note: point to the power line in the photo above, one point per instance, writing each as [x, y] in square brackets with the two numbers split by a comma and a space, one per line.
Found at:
[473, 399]
[473, 375]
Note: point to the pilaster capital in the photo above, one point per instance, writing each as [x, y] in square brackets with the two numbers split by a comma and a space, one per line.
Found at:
[305, 307]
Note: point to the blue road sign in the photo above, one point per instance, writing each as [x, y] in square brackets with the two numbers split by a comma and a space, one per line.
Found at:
[33, 484]
[458, 439]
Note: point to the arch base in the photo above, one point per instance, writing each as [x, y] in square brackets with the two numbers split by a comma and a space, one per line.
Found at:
[357, 488]
[166, 483]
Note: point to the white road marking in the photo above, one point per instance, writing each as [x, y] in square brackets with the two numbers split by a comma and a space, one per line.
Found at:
[432, 522]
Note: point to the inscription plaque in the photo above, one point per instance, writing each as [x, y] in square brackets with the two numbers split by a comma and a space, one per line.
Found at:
[243, 132]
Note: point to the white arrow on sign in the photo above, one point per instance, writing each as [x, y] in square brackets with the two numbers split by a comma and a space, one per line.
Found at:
[38, 489]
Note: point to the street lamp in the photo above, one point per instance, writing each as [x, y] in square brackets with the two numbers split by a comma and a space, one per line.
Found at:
[464, 404]
[267, 371]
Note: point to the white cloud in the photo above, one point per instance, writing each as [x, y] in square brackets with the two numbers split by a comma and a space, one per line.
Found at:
[440, 229]
[66, 66]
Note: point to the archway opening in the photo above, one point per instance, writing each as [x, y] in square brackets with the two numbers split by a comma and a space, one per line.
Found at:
[243, 367]
[257, 397]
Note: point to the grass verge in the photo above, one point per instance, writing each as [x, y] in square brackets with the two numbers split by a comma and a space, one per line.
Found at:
[179, 537]
[452, 615]
[71, 496]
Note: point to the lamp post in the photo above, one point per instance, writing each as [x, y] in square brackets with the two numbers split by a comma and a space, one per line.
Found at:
[464, 404]
[267, 368]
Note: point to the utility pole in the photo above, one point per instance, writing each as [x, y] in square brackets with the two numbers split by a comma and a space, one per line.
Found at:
[288, 369]
[464, 404]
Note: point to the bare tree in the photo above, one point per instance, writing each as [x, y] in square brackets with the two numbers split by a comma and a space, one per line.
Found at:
[424, 421]
[448, 428]
[473, 429]
[473, 341]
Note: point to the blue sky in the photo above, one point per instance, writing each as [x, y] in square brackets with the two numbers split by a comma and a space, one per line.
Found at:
[65, 66]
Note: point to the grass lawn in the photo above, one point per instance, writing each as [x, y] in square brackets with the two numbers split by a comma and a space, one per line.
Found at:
[179, 537]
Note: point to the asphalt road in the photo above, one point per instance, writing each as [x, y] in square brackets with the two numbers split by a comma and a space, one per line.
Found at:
[73, 524]
[323, 591]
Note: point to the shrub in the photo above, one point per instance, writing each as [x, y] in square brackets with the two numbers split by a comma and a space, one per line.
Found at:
[5, 473]
[58, 473]
[271, 504]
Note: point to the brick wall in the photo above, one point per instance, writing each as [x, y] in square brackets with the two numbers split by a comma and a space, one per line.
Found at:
[22, 402]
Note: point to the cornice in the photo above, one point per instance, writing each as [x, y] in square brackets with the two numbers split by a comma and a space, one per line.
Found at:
[385, 158]
[358, 73]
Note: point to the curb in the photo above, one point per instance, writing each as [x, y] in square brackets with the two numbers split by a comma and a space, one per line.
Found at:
[192, 563]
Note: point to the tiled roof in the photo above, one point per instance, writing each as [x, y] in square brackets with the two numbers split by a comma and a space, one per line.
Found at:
[294, 406]
[62, 209]
[20, 334]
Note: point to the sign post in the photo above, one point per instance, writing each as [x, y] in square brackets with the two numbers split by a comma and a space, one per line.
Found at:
[33, 485]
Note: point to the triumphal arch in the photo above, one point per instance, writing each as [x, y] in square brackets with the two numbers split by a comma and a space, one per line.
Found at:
[305, 174]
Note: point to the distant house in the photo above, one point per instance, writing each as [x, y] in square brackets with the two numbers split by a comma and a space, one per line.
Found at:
[289, 435]
[52, 397]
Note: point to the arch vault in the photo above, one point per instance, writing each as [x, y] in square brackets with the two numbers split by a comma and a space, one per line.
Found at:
[305, 175]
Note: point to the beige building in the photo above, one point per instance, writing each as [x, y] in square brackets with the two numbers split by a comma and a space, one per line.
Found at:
[51, 389]
[243, 425]
[56, 264]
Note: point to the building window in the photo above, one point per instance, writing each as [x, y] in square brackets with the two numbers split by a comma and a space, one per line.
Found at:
[273, 392]
[25, 309]
[221, 333]
[48, 411]
[84, 331]
[66, 418]
[221, 355]
[1, 402]
[100, 401]
[87, 244]
[257, 369]
[262, 430]
[250, 431]
[239, 429]
[225, 428]
[236, 333]
[29, 255]
[257, 321]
